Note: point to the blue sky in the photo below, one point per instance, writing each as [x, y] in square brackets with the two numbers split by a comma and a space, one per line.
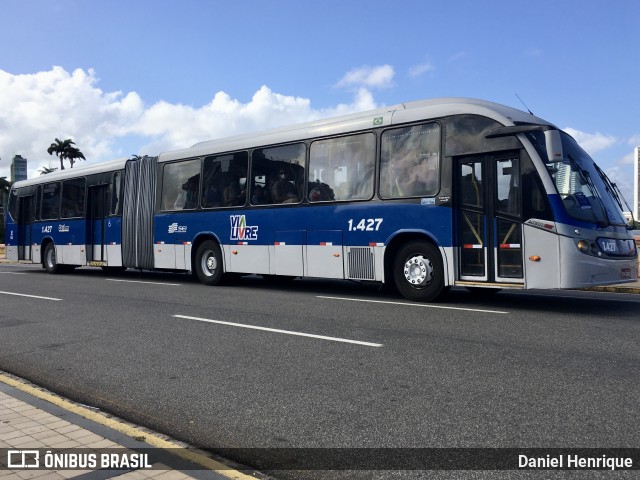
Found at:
[127, 77]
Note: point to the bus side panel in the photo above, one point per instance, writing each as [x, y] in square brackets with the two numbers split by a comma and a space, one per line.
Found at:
[113, 240]
[11, 240]
[287, 253]
[323, 240]
[69, 237]
[324, 254]
[544, 273]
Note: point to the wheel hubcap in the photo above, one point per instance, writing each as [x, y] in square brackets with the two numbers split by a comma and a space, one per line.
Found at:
[209, 263]
[418, 271]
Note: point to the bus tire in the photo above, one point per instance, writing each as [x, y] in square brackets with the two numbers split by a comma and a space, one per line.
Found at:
[50, 263]
[208, 263]
[418, 271]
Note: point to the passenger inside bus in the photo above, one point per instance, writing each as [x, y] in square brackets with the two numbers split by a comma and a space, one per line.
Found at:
[212, 197]
[415, 178]
[234, 194]
[259, 196]
[283, 190]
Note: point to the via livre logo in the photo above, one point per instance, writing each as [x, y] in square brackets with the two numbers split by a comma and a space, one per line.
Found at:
[240, 230]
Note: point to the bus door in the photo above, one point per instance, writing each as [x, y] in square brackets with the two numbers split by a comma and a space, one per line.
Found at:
[489, 218]
[25, 219]
[97, 214]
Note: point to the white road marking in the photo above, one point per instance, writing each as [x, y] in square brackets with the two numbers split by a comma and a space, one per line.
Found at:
[140, 281]
[423, 305]
[13, 273]
[286, 332]
[31, 296]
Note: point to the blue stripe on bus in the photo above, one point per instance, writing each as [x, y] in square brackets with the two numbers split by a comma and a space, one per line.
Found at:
[347, 224]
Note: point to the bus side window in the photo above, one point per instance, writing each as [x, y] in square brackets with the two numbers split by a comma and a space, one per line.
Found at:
[342, 168]
[180, 185]
[50, 201]
[410, 161]
[535, 203]
[13, 206]
[283, 170]
[116, 193]
[73, 198]
[225, 180]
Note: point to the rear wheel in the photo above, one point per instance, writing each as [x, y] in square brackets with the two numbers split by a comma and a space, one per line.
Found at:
[50, 262]
[418, 272]
[208, 263]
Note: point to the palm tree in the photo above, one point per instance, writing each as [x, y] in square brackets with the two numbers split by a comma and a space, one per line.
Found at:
[65, 149]
[45, 170]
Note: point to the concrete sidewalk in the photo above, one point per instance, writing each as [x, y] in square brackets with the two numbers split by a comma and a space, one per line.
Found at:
[33, 419]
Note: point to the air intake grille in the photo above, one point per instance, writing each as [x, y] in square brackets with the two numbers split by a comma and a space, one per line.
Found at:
[361, 263]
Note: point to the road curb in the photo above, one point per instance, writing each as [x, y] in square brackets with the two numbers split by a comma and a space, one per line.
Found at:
[615, 289]
[176, 449]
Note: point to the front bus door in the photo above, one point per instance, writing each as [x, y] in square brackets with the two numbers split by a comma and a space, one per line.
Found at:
[97, 213]
[489, 219]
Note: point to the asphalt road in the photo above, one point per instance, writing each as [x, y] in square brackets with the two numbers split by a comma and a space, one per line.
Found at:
[332, 364]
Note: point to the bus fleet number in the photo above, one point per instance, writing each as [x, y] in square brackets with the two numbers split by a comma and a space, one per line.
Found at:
[365, 224]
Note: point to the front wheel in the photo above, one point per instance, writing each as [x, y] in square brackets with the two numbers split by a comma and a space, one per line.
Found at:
[418, 272]
[208, 263]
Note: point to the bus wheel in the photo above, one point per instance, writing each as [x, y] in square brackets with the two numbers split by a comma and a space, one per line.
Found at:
[418, 272]
[208, 263]
[50, 263]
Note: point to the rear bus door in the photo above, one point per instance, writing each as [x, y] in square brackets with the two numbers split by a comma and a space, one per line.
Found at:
[25, 220]
[97, 213]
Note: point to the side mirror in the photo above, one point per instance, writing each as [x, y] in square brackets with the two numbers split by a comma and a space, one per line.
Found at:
[553, 143]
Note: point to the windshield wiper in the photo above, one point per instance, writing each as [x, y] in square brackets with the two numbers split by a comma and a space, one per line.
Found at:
[615, 193]
[584, 175]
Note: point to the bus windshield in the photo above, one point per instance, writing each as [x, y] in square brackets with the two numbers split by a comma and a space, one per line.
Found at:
[586, 193]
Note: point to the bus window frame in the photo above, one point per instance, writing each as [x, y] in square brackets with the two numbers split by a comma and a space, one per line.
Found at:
[161, 168]
[84, 200]
[441, 163]
[59, 182]
[305, 165]
[112, 193]
[375, 172]
[222, 154]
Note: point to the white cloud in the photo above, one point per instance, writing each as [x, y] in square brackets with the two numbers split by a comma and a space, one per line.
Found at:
[457, 56]
[626, 160]
[368, 77]
[418, 70]
[36, 108]
[635, 140]
[592, 142]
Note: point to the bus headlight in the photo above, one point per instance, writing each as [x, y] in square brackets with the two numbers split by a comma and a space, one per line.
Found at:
[584, 246]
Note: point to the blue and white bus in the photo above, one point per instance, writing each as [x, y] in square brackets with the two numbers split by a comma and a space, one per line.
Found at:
[423, 196]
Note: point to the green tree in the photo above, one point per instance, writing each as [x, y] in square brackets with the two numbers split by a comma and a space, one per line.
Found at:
[45, 170]
[65, 149]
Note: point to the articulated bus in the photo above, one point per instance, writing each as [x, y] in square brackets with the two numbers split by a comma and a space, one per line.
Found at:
[422, 196]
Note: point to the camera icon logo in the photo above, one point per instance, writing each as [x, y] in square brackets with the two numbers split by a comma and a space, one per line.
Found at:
[23, 459]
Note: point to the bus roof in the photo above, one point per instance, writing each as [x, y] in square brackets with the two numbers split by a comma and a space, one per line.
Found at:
[110, 165]
[385, 116]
